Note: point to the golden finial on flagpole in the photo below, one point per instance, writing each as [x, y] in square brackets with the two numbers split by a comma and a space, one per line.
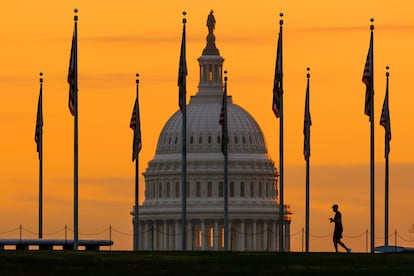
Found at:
[76, 15]
[137, 75]
[281, 18]
[387, 73]
[372, 23]
[225, 75]
[41, 76]
[184, 19]
[308, 74]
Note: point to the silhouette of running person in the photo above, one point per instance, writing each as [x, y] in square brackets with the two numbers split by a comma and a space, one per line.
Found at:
[337, 235]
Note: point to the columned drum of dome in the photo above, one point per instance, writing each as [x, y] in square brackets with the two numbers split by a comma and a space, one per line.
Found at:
[253, 210]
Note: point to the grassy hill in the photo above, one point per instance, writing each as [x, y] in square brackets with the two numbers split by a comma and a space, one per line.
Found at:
[202, 263]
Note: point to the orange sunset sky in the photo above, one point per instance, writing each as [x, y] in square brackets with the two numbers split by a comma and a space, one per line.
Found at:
[116, 39]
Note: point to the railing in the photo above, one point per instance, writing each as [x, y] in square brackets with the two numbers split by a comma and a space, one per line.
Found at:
[23, 231]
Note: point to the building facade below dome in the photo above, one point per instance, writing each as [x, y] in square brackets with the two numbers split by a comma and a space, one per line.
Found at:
[253, 209]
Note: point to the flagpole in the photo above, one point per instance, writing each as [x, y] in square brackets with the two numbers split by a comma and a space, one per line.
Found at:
[372, 207]
[281, 166]
[75, 216]
[41, 159]
[136, 129]
[387, 74]
[307, 157]
[226, 223]
[183, 106]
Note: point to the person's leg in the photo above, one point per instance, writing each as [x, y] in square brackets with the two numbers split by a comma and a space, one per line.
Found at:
[342, 244]
[335, 242]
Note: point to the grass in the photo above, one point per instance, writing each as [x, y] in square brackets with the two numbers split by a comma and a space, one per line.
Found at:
[202, 263]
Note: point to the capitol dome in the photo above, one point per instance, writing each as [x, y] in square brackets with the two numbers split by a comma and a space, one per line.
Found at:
[253, 210]
[204, 131]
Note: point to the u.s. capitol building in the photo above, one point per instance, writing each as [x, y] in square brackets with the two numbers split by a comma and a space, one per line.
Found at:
[253, 210]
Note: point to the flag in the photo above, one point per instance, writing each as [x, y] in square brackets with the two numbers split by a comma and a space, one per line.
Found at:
[72, 75]
[386, 123]
[135, 125]
[39, 123]
[277, 85]
[306, 126]
[368, 79]
[182, 74]
[223, 121]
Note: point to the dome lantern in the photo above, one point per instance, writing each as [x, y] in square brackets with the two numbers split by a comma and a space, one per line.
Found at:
[211, 63]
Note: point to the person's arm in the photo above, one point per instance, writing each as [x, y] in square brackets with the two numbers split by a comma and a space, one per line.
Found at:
[336, 219]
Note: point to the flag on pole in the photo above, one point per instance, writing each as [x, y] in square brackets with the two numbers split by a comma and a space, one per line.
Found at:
[135, 125]
[306, 126]
[72, 76]
[277, 85]
[385, 122]
[223, 121]
[368, 79]
[39, 122]
[182, 74]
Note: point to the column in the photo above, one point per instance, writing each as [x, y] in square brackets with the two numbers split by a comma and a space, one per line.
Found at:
[154, 235]
[230, 246]
[277, 235]
[265, 237]
[177, 236]
[254, 238]
[273, 235]
[242, 245]
[145, 235]
[287, 237]
[216, 236]
[190, 236]
[165, 236]
[203, 235]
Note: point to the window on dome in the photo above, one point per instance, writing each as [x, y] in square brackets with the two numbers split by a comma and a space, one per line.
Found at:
[219, 69]
[260, 189]
[168, 189]
[244, 140]
[267, 189]
[218, 139]
[250, 140]
[188, 190]
[191, 139]
[176, 140]
[231, 189]
[177, 189]
[242, 189]
[169, 140]
[209, 189]
[200, 139]
[220, 191]
[198, 189]
[210, 73]
[251, 189]
[209, 139]
[159, 190]
[236, 140]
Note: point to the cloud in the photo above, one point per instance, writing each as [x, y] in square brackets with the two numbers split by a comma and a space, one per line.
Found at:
[98, 181]
[387, 27]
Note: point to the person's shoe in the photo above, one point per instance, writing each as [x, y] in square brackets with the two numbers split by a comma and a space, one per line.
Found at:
[348, 250]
